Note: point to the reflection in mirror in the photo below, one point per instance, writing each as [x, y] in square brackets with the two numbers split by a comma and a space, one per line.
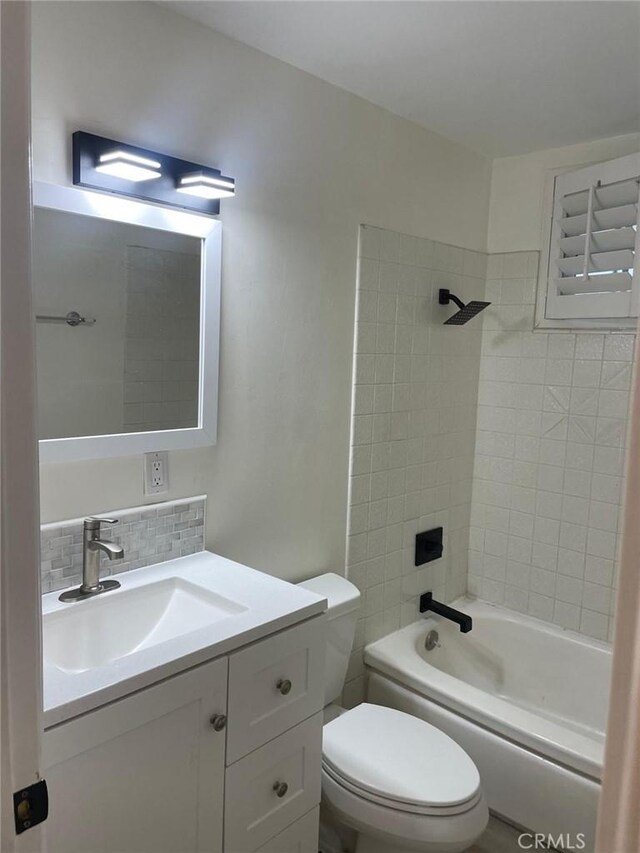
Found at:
[135, 369]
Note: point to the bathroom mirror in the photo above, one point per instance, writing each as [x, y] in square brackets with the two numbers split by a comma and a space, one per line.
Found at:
[126, 299]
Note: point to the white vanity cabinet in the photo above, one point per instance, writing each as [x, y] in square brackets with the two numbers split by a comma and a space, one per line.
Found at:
[144, 774]
[162, 771]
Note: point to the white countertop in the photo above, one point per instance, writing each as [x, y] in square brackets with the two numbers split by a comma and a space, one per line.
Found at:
[271, 605]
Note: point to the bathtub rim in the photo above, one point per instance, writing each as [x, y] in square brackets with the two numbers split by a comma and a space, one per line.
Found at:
[547, 796]
[395, 656]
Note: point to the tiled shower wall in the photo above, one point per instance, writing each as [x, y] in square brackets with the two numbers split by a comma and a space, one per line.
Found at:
[552, 412]
[413, 429]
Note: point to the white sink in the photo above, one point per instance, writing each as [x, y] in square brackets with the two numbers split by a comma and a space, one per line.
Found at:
[164, 619]
[89, 634]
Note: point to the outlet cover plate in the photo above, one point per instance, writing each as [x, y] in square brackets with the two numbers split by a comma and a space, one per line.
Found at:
[156, 473]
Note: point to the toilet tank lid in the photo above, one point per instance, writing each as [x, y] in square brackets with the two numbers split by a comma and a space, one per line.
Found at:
[342, 596]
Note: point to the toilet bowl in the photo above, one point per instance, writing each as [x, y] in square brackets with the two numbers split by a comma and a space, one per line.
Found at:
[398, 782]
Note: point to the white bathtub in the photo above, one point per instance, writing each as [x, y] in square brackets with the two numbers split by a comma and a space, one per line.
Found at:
[527, 700]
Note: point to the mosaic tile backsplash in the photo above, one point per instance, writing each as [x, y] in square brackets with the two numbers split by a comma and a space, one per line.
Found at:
[150, 534]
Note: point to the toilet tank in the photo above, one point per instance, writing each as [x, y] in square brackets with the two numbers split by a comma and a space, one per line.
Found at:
[342, 615]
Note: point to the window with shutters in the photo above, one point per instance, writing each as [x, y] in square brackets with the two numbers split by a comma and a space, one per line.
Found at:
[591, 274]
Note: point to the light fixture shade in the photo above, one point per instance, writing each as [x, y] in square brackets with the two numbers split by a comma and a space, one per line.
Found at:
[128, 166]
[204, 185]
[121, 168]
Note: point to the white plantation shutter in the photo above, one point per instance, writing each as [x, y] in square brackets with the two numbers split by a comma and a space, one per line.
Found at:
[594, 242]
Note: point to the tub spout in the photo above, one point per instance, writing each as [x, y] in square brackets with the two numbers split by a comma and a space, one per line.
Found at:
[427, 602]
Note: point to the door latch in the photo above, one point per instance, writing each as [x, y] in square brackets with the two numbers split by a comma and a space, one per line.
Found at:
[30, 806]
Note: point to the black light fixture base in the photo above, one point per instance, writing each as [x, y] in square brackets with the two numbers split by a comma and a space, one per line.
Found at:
[87, 149]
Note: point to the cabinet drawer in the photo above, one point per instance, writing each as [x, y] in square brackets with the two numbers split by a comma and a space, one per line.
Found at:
[301, 837]
[273, 685]
[273, 787]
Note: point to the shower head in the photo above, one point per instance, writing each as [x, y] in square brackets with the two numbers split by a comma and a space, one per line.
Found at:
[467, 312]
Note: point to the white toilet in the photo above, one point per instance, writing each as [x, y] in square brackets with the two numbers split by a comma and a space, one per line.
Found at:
[399, 782]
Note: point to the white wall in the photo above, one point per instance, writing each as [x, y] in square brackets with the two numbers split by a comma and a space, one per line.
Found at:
[517, 188]
[312, 163]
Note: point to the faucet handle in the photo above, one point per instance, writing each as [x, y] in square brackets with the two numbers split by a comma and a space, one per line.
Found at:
[93, 522]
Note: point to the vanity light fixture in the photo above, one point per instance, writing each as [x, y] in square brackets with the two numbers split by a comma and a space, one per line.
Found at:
[117, 167]
[203, 185]
[130, 167]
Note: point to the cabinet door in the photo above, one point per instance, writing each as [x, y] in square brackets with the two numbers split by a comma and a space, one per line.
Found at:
[144, 774]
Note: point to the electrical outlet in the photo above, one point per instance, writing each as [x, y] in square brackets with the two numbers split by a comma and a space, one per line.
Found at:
[156, 473]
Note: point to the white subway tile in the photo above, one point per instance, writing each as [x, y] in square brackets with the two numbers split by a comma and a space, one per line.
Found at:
[548, 504]
[613, 404]
[581, 428]
[616, 375]
[558, 371]
[541, 606]
[544, 556]
[610, 432]
[586, 374]
[579, 456]
[516, 598]
[561, 346]
[518, 574]
[604, 516]
[589, 346]
[538, 532]
[594, 624]
[571, 563]
[534, 345]
[573, 536]
[543, 582]
[599, 570]
[608, 460]
[619, 347]
[597, 598]
[553, 425]
[569, 589]
[601, 543]
[566, 615]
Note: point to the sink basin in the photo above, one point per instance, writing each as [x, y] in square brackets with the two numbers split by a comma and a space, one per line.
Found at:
[89, 634]
[164, 619]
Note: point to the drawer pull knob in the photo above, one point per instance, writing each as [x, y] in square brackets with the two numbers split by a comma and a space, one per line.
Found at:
[280, 788]
[284, 686]
[218, 721]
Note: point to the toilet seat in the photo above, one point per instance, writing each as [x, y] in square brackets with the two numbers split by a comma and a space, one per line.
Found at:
[402, 830]
[399, 762]
[397, 805]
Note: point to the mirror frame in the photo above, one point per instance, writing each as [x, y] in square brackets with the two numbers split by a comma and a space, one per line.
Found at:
[209, 230]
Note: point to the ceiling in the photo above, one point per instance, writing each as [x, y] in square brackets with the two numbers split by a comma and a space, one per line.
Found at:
[499, 77]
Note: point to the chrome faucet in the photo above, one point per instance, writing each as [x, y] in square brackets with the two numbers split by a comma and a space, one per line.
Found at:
[92, 546]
